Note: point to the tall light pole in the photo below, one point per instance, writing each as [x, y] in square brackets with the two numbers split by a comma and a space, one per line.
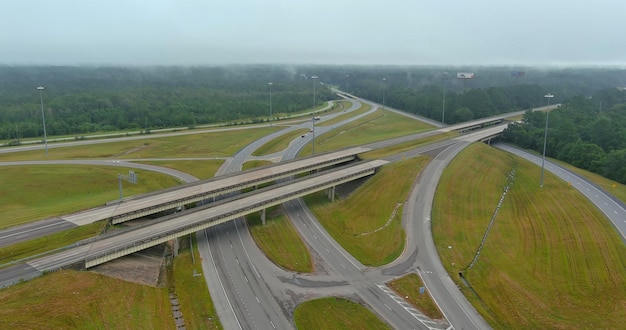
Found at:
[314, 79]
[347, 77]
[313, 131]
[443, 111]
[545, 138]
[43, 117]
[270, 84]
[384, 87]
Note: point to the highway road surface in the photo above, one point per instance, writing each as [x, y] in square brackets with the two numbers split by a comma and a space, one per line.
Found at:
[247, 294]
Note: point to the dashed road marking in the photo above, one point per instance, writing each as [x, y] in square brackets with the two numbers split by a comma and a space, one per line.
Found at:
[426, 321]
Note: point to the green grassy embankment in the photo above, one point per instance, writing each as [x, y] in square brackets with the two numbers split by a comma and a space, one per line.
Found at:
[280, 241]
[37, 192]
[191, 289]
[551, 259]
[280, 143]
[83, 300]
[335, 313]
[368, 223]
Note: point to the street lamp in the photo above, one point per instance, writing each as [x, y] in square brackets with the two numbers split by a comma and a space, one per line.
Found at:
[313, 131]
[545, 138]
[384, 87]
[443, 111]
[347, 77]
[43, 116]
[270, 84]
[314, 78]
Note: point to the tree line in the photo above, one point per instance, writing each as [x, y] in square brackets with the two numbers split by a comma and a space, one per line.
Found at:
[80, 100]
[587, 132]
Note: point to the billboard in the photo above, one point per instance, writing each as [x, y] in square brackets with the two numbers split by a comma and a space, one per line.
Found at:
[517, 74]
[464, 75]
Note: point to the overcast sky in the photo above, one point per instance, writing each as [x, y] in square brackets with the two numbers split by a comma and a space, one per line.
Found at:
[401, 32]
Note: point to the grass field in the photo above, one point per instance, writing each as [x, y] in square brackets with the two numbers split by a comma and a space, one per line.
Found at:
[41, 191]
[362, 109]
[201, 169]
[84, 300]
[280, 143]
[280, 241]
[368, 223]
[335, 313]
[378, 126]
[192, 292]
[551, 261]
[209, 145]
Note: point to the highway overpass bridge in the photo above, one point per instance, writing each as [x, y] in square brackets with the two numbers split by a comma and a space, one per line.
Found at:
[107, 248]
[168, 199]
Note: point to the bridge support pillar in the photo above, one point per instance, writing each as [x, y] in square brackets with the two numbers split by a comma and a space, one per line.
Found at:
[263, 216]
[176, 247]
[330, 193]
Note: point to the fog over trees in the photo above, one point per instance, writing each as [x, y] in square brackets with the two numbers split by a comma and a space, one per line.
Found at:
[588, 130]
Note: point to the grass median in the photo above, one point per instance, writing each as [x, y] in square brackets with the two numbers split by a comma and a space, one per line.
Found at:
[378, 126]
[280, 241]
[335, 313]
[222, 143]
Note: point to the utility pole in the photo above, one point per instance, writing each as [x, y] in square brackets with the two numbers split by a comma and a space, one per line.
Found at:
[443, 111]
[43, 117]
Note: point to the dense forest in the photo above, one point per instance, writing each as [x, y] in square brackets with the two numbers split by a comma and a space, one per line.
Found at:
[79, 100]
[82, 100]
[587, 132]
[493, 90]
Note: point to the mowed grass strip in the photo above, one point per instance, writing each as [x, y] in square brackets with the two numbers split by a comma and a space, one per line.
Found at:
[191, 289]
[368, 223]
[50, 242]
[362, 109]
[83, 300]
[280, 241]
[219, 143]
[35, 192]
[335, 313]
[408, 287]
[280, 143]
[201, 169]
[378, 126]
[551, 260]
